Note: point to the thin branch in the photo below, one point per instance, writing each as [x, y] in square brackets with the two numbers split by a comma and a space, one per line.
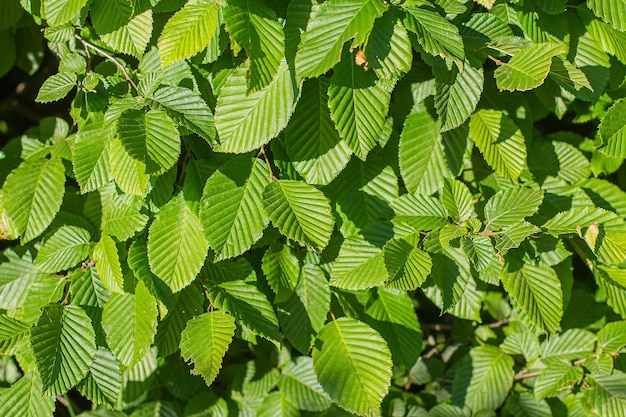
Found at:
[431, 353]
[489, 233]
[444, 380]
[111, 58]
[524, 375]
[267, 161]
[498, 324]
[67, 404]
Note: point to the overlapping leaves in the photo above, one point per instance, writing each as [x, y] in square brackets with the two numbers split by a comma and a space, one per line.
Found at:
[151, 257]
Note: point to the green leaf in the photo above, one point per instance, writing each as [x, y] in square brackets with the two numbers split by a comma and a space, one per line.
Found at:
[611, 11]
[305, 312]
[176, 244]
[64, 249]
[524, 405]
[608, 242]
[457, 200]
[64, 344]
[435, 33]
[612, 337]
[281, 268]
[299, 385]
[189, 31]
[107, 261]
[151, 138]
[376, 185]
[336, 22]
[457, 94]
[568, 221]
[189, 302]
[528, 68]
[109, 15]
[276, 405]
[393, 316]
[130, 323]
[514, 235]
[58, 12]
[419, 149]
[231, 208]
[129, 174]
[605, 394]
[56, 87]
[358, 104]
[558, 159]
[103, 384]
[500, 141]
[36, 189]
[567, 75]
[204, 342]
[420, 211]
[484, 379]
[186, 108]
[11, 13]
[11, 332]
[388, 48]
[360, 264]
[25, 398]
[537, 291]
[133, 37]
[300, 211]
[139, 264]
[606, 195]
[253, 24]
[90, 157]
[479, 250]
[353, 365]
[556, 378]
[17, 276]
[450, 275]
[613, 131]
[312, 142]
[570, 345]
[508, 207]
[246, 121]
[248, 306]
[406, 265]
[607, 38]
[121, 216]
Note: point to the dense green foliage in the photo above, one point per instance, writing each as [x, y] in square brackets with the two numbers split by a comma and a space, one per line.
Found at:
[301, 208]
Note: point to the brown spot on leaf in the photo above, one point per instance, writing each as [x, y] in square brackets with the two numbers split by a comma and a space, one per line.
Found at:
[360, 59]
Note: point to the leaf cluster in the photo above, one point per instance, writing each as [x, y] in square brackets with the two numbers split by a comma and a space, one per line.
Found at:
[298, 208]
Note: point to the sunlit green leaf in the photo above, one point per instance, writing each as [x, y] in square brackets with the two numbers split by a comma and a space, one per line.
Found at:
[353, 364]
[176, 245]
[336, 22]
[36, 188]
[64, 344]
[300, 211]
[500, 141]
[189, 31]
[205, 341]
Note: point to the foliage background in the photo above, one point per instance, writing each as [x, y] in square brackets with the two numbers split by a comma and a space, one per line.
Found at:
[299, 208]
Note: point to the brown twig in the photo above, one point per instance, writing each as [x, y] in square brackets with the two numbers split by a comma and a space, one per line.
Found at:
[111, 58]
[523, 375]
[497, 324]
[267, 161]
